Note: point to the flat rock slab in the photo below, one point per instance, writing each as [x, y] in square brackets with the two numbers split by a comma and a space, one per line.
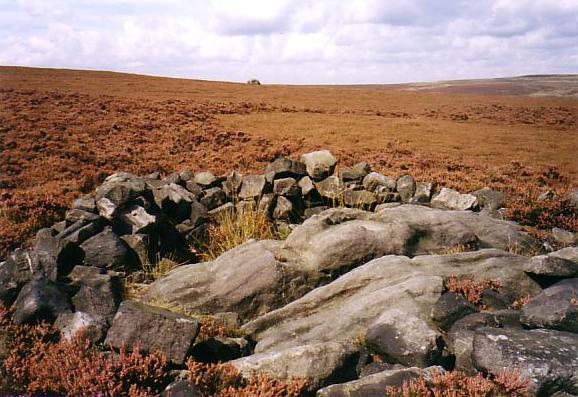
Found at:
[153, 330]
[545, 357]
[315, 363]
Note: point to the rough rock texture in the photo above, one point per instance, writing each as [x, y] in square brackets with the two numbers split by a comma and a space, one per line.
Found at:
[348, 306]
[99, 293]
[373, 180]
[555, 307]
[406, 187]
[450, 308]
[116, 191]
[245, 280]
[552, 266]
[315, 363]
[452, 200]
[40, 299]
[489, 199]
[70, 324]
[252, 187]
[153, 329]
[547, 358]
[105, 250]
[15, 272]
[319, 164]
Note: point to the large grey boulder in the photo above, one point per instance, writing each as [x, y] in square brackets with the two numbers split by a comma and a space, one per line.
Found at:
[552, 266]
[348, 306]
[247, 280]
[569, 253]
[319, 164]
[490, 199]
[373, 385]
[556, 307]
[316, 363]
[453, 200]
[546, 358]
[450, 308]
[153, 330]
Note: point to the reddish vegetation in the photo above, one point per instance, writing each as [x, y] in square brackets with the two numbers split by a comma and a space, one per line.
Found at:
[470, 289]
[60, 135]
[458, 384]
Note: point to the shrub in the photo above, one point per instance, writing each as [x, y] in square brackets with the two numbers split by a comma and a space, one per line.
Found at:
[458, 384]
[40, 364]
[470, 289]
[233, 228]
[223, 380]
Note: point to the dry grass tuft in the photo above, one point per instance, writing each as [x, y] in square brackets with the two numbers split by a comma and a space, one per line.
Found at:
[458, 384]
[154, 271]
[233, 228]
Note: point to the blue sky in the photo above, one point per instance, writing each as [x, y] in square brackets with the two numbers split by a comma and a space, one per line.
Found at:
[295, 41]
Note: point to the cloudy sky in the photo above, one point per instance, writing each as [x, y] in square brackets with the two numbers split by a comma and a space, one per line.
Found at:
[295, 41]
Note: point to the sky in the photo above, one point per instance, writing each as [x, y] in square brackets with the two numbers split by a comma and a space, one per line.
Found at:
[295, 41]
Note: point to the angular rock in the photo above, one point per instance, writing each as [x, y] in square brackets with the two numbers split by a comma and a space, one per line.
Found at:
[569, 253]
[227, 208]
[205, 179]
[283, 167]
[15, 272]
[56, 256]
[98, 294]
[452, 200]
[117, 190]
[174, 200]
[75, 215]
[450, 308]
[286, 187]
[546, 358]
[283, 208]
[40, 299]
[154, 330]
[105, 250]
[253, 187]
[136, 219]
[552, 266]
[87, 204]
[319, 164]
[195, 189]
[423, 192]
[490, 199]
[460, 338]
[81, 231]
[556, 307]
[309, 212]
[563, 236]
[93, 326]
[330, 188]
[213, 198]
[359, 199]
[232, 184]
[373, 180]
[405, 338]
[316, 363]
[139, 244]
[181, 388]
[406, 188]
[356, 173]
[372, 385]
[220, 349]
[572, 198]
[306, 185]
[245, 280]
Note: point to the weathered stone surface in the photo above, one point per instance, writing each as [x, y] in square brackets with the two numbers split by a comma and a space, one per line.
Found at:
[283, 167]
[105, 250]
[450, 308]
[283, 208]
[117, 190]
[319, 164]
[98, 294]
[253, 187]
[286, 187]
[373, 180]
[40, 299]
[346, 307]
[359, 199]
[136, 219]
[306, 185]
[213, 198]
[563, 236]
[356, 173]
[556, 307]
[81, 231]
[15, 272]
[181, 388]
[544, 357]
[331, 188]
[232, 184]
[406, 188]
[423, 192]
[490, 199]
[75, 215]
[220, 349]
[572, 198]
[372, 385]
[315, 363]
[569, 253]
[552, 266]
[405, 338]
[205, 179]
[153, 329]
[93, 326]
[309, 212]
[174, 200]
[56, 256]
[452, 200]
[139, 244]
[460, 338]
[245, 280]
[86, 203]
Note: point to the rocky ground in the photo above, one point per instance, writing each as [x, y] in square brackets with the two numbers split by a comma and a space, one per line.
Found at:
[380, 279]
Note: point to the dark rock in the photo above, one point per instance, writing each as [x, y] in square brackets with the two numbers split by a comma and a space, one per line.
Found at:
[81, 231]
[253, 187]
[449, 308]
[181, 388]
[547, 358]
[99, 294]
[309, 212]
[174, 200]
[213, 198]
[56, 256]
[93, 326]
[423, 192]
[285, 168]
[319, 164]
[139, 244]
[40, 299]
[199, 213]
[153, 329]
[556, 307]
[87, 204]
[283, 208]
[195, 189]
[75, 215]
[373, 180]
[494, 300]
[490, 199]
[356, 173]
[105, 250]
[406, 188]
[286, 187]
[117, 190]
[220, 349]
[15, 272]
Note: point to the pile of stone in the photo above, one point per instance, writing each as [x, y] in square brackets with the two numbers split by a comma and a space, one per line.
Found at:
[367, 256]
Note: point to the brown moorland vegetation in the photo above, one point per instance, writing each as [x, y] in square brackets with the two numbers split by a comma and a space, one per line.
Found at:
[62, 131]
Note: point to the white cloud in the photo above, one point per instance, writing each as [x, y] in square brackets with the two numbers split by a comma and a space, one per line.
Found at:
[299, 41]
